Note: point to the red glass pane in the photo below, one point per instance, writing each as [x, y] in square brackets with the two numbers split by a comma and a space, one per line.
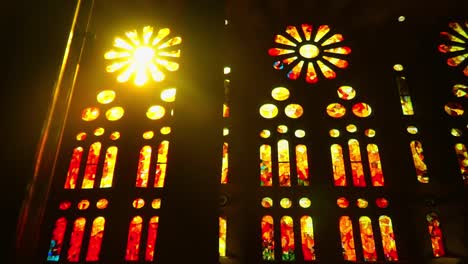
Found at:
[433, 225]
[143, 167]
[109, 166]
[356, 164]
[91, 165]
[76, 240]
[287, 239]
[74, 168]
[160, 174]
[268, 242]
[133, 242]
[339, 173]
[56, 242]
[347, 238]
[152, 234]
[95, 240]
[388, 238]
[302, 166]
[375, 166]
[367, 239]
[307, 238]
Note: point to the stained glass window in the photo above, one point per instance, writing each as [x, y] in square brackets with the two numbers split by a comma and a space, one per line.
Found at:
[405, 98]
[418, 159]
[367, 239]
[347, 238]
[284, 170]
[95, 240]
[307, 238]
[435, 233]
[388, 238]
[268, 241]
[134, 236]
[266, 178]
[287, 239]
[356, 164]
[224, 164]
[74, 168]
[454, 45]
[76, 240]
[143, 167]
[151, 240]
[302, 166]
[375, 165]
[56, 242]
[462, 157]
[339, 173]
[91, 165]
[161, 164]
[222, 236]
[109, 166]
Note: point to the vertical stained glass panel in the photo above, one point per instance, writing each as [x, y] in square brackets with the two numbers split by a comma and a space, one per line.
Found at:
[347, 238]
[388, 238]
[56, 242]
[134, 236]
[307, 238]
[266, 178]
[225, 163]
[161, 165]
[287, 239]
[222, 236]
[462, 157]
[375, 165]
[418, 159]
[405, 98]
[356, 164]
[91, 165]
[152, 236]
[74, 168]
[433, 225]
[339, 173]
[95, 241]
[367, 239]
[283, 163]
[268, 241]
[143, 167]
[302, 166]
[109, 166]
[76, 239]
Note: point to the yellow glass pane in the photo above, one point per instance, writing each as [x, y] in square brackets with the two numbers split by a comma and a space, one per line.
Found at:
[299, 133]
[460, 90]
[102, 203]
[148, 135]
[456, 132]
[267, 202]
[294, 110]
[282, 129]
[155, 112]
[222, 236]
[138, 203]
[412, 130]
[165, 130]
[156, 203]
[106, 96]
[454, 109]
[304, 202]
[351, 128]
[283, 40]
[225, 131]
[115, 135]
[81, 136]
[285, 203]
[292, 31]
[99, 131]
[168, 95]
[346, 92]
[334, 133]
[309, 51]
[362, 203]
[90, 113]
[336, 110]
[370, 132]
[268, 111]
[280, 93]
[265, 133]
[398, 67]
[227, 70]
[115, 113]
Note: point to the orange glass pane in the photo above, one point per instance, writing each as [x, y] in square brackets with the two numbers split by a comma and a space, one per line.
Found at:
[152, 235]
[90, 113]
[226, 110]
[284, 170]
[74, 168]
[336, 110]
[267, 202]
[333, 39]
[138, 203]
[293, 110]
[222, 236]
[339, 50]
[224, 164]
[282, 40]
[342, 202]
[268, 241]
[462, 157]
[83, 205]
[307, 29]
[321, 31]
[460, 90]
[76, 240]
[370, 132]
[362, 110]
[91, 165]
[133, 241]
[287, 239]
[143, 167]
[433, 225]
[346, 92]
[95, 240]
[102, 204]
[292, 31]
[115, 135]
[339, 173]
[337, 62]
[109, 166]
[418, 159]
[307, 238]
[347, 238]
[454, 109]
[311, 76]
[375, 165]
[64, 205]
[327, 71]
[266, 178]
[278, 51]
[56, 242]
[295, 72]
[156, 203]
[367, 239]
[356, 164]
[161, 164]
[388, 238]
[81, 136]
[302, 166]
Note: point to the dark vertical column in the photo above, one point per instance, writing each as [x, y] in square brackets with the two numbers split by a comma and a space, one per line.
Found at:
[188, 229]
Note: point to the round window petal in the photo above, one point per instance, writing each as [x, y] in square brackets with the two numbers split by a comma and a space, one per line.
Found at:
[268, 111]
[346, 92]
[115, 113]
[294, 110]
[361, 110]
[454, 109]
[106, 96]
[155, 112]
[280, 93]
[90, 113]
[336, 110]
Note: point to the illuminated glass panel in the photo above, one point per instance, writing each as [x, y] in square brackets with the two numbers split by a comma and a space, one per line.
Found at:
[109, 166]
[286, 203]
[282, 129]
[418, 159]
[152, 235]
[460, 90]
[91, 165]
[307, 238]
[375, 166]
[454, 109]
[334, 133]
[356, 164]
[133, 241]
[304, 202]
[95, 240]
[56, 241]
[362, 203]
[361, 110]
[156, 203]
[148, 134]
[455, 45]
[405, 98]
[115, 113]
[99, 131]
[462, 157]
[224, 164]
[155, 112]
[64, 205]
[102, 203]
[456, 132]
[347, 238]
[280, 93]
[381, 202]
[265, 133]
[83, 205]
[284, 170]
[165, 130]
[106, 96]
[339, 173]
[268, 111]
[293, 110]
[370, 133]
[90, 113]
[74, 168]
[388, 238]
[268, 241]
[76, 240]
[336, 110]
[299, 133]
[412, 130]
[138, 203]
[81, 136]
[115, 135]
[367, 239]
[302, 166]
[222, 236]
[168, 95]
[346, 92]
[161, 164]
[287, 239]
[267, 202]
[226, 110]
[266, 178]
[342, 202]
[433, 225]
[143, 167]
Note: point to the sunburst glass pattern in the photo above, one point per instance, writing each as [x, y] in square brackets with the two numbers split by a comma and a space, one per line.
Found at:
[141, 57]
[455, 45]
[302, 50]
